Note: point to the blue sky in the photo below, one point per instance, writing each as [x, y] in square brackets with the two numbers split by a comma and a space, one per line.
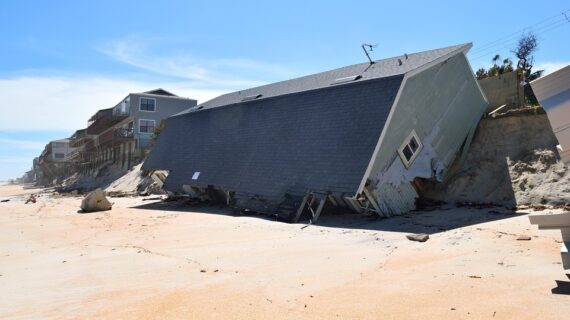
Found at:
[63, 60]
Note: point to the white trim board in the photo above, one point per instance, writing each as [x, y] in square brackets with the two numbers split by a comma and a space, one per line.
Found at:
[477, 81]
[382, 135]
[406, 142]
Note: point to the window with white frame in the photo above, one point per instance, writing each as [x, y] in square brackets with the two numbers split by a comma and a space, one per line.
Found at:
[147, 104]
[146, 126]
[410, 149]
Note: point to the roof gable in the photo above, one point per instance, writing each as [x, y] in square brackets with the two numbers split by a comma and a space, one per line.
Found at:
[161, 92]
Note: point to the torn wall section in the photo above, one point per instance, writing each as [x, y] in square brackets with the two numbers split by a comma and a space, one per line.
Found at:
[437, 111]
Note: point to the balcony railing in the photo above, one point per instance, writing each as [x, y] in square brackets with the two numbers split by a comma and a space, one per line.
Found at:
[106, 118]
[119, 112]
[115, 135]
[126, 133]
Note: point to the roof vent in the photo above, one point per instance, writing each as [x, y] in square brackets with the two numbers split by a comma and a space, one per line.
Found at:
[346, 79]
[252, 97]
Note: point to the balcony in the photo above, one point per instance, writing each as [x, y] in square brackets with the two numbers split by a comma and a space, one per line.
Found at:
[79, 138]
[124, 133]
[106, 118]
[114, 136]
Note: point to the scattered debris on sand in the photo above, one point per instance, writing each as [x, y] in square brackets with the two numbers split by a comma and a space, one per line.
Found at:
[152, 198]
[134, 182]
[96, 201]
[419, 237]
[115, 181]
[5, 200]
[31, 199]
[83, 183]
[524, 238]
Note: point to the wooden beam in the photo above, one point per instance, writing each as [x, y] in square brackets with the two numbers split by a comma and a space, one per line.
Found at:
[301, 209]
[319, 209]
[371, 199]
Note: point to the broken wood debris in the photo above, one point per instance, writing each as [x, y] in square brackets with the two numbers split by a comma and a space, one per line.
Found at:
[524, 238]
[32, 199]
[152, 198]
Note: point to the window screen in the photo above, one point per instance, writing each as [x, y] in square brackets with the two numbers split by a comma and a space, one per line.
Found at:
[148, 104]
[146, 126]
[410, 149]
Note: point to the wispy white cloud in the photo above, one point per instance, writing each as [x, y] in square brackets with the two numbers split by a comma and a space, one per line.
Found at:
[203, 72]
[23, 144]
[133, 53]
[66, 103]
[550, 67]
[48, 100]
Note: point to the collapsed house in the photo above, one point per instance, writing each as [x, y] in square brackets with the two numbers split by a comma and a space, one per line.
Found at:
[553, 94]
[363, 137]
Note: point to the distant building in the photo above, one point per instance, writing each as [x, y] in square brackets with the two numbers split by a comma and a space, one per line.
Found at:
[121, 134]
[367, 137]
[60, 149]
[553, 94]
[53, 162]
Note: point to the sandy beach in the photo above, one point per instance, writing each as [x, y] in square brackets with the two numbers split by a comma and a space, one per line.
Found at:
[155, 260]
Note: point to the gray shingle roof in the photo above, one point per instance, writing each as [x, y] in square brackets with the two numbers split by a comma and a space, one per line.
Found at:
[161, 92]
[380, 68]
[318, 141]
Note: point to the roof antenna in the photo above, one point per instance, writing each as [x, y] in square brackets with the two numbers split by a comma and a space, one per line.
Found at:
[370, 47]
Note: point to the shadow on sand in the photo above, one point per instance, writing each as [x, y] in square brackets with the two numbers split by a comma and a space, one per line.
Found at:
[562, 287]
[430, 222]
